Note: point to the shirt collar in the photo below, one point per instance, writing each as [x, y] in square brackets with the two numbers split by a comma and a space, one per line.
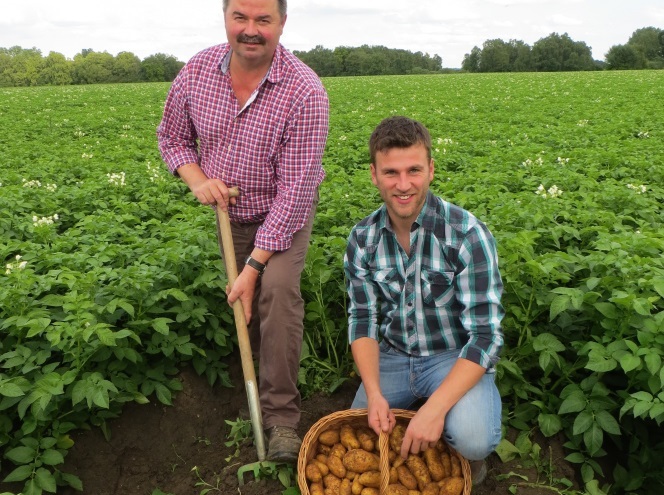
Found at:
[426, 219]
[274, 73]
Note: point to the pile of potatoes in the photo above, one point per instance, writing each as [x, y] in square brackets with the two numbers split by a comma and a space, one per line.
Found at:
[347, 462]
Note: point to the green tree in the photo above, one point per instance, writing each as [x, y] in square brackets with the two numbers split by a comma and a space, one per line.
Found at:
[126, 68]
[56, 70]
[647, 41]
[20, 66]
[93, 68]
[160, 68]
[561, 53]
[471, 61]
[624, 57]
[520, 56]
[495, 56]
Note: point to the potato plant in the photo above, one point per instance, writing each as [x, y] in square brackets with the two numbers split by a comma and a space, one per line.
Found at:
[112, 278]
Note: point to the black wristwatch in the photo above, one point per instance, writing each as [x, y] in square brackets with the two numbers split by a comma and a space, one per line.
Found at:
[256, 265]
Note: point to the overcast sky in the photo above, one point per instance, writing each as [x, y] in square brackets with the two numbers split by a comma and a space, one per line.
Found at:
[449, 29]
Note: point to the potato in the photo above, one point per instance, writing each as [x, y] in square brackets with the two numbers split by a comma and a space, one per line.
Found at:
[392, 456]
[312, 472]
[323, 449]
[356, 488]
[456, 466]
[345, 487]
[321, 462]
[398, 461]
[394, 475]
[367, 490]
[396, 438]
[396, 489]
[350, 474]
[419, 470]
[414, 492]
[349, 438]
[434, 464]
[451, 486]
[338, 450]
[359, 461]
[370, 478]
[331, 481]
[329, 437]
[367, 438]
[431, 489]
[316, 488]
[441, 446]
[406, 478]
[336, 466]
[447, 464]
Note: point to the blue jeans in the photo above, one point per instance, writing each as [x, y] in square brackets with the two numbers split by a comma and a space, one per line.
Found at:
[472, 426]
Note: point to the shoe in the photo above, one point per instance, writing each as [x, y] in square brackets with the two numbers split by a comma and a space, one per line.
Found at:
[478, 471]
[283, 444]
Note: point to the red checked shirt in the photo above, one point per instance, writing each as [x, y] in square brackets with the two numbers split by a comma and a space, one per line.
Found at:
[271, 148]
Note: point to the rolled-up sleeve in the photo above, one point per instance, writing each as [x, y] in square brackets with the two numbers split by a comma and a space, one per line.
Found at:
[299, 171]
[176, 133]
[479, 289]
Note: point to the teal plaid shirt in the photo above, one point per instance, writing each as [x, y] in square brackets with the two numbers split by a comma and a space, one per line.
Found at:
[445, 295]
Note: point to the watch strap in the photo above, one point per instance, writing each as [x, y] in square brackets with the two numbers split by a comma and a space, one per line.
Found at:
[255, 264]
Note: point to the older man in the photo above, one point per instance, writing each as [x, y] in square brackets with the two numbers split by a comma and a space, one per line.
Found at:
[248, 113]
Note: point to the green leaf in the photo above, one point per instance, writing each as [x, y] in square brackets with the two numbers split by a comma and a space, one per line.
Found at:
[45, 480]
[163, 394]
[161, 325]
[575, 402]
[21, 473]
[607, 309]
[629, 362]
[658, 285]
[547, 341]
[601, 364]
[11, 390]
[79, 392]
[52, 457]
[582, 422]
[558, 305]
[21, 455]
[575, 458]
[106, 336]
[73, 481]
[607, 422]
[550, 424]
[593, 438]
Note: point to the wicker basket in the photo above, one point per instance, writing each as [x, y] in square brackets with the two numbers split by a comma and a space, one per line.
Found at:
[358, 417]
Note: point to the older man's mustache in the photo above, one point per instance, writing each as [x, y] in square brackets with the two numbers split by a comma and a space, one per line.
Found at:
[258, 39]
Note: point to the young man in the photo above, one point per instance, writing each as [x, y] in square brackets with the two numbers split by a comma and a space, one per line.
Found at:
[424, 305]
[248, 113]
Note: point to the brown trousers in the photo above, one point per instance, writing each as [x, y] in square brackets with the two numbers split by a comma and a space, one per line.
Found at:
[277, 322]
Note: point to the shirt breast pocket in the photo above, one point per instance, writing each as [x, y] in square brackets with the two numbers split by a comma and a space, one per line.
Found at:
[437, 288]
[389, 282]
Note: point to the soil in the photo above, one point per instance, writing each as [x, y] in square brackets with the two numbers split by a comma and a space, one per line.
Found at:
[156, 449]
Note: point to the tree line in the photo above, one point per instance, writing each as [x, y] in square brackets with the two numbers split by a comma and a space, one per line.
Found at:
[368, 61]
[27, 67]
[643, 50]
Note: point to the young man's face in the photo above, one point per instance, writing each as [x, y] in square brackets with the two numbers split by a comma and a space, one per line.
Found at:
[253, 28]
[403, 175]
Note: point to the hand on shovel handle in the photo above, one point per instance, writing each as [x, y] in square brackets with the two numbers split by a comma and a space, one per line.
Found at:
[226, 239]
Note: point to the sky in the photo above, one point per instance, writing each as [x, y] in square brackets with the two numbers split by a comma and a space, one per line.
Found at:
[446, 28]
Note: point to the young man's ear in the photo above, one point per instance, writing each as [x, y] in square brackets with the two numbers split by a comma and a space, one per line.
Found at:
[372, 167]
